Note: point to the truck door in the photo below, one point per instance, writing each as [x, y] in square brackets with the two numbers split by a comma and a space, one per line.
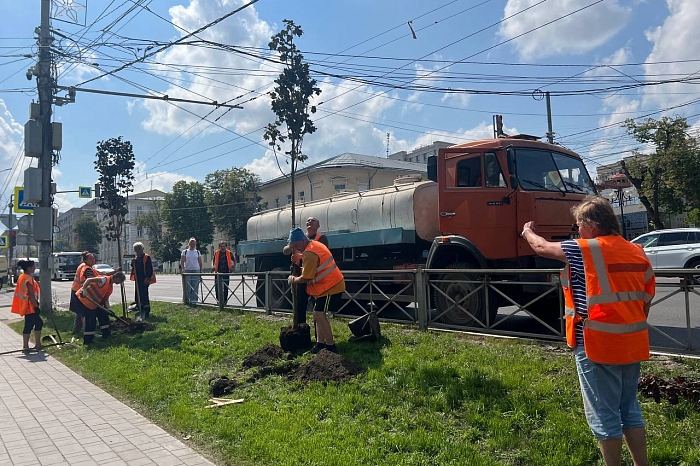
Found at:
[474, 201]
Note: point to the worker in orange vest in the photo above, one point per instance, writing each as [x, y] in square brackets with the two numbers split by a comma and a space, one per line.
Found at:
[143, 274]
[223, 263]
[324, 282]
[26, 303]
[94, 295]
[85, 270]
[608, 286]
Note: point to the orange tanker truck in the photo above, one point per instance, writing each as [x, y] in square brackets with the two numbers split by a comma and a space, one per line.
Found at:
[467, 215]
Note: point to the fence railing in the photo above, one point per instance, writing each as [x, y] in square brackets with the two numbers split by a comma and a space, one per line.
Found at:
[517, 302]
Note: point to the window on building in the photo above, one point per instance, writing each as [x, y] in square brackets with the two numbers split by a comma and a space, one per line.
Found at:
[339, 187]
[302, 196]
[139, 232]
[469, 173]
[277, 202]
[289, 198]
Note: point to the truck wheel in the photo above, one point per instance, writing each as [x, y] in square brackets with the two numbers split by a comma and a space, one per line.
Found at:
[456, 288]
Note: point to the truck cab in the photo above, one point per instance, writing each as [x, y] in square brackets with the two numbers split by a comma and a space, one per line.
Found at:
[488, 189]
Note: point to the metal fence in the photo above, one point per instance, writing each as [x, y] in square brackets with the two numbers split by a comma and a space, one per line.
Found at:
[521, 303]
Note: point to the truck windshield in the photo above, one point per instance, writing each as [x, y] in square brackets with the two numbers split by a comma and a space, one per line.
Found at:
[70, 260]
[542, 170]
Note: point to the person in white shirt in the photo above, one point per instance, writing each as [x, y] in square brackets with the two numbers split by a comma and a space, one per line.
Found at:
[191, 262]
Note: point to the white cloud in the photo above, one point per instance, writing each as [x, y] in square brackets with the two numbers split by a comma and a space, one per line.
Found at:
[576, 34]
[11, 134]
[245, 29]
[675, 40]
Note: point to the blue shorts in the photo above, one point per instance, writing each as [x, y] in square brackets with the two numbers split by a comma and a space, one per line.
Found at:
[609, 396]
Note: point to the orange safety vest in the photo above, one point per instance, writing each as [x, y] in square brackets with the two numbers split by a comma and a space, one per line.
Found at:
[619, 283]
[327, 273]
[228, 259]
[97, 293]
[20, 302]
[148, 280]
[80, 277]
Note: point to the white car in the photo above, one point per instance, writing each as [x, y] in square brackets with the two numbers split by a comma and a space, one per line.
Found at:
[678, 248]
[103, 268]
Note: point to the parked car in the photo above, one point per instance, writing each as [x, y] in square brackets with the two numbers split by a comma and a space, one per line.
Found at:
[677, 248]
[103, 268]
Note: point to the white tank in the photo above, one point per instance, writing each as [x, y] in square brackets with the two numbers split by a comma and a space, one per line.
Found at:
[409, 204]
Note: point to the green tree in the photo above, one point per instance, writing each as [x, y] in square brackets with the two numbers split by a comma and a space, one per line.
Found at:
[115, 165]
[232, 199]
[170, 249]
[291, 100]
[665, 178]
[88, 232]
[152, 223]
[62, 244]
[186, 215]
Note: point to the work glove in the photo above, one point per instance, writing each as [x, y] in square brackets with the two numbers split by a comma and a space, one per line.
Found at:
[290, 280]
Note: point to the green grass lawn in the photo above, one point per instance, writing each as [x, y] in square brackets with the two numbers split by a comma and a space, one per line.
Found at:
[424, 399]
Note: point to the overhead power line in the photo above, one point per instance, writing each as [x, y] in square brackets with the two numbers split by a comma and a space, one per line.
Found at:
[147, 96]
[161, 49]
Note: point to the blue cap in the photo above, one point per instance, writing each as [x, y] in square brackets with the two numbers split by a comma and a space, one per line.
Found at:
[296, 234]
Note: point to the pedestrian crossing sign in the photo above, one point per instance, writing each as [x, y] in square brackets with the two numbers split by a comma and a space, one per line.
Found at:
[85, 192]
[4, 241]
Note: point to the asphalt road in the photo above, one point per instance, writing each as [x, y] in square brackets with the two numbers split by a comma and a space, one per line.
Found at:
[669, 316]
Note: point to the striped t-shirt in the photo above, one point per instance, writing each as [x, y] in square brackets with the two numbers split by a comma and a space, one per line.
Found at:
[573, 254]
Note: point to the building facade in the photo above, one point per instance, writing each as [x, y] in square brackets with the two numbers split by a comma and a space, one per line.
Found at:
[421, 154]
[344, 173]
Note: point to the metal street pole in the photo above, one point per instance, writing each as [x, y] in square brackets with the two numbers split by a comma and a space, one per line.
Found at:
[9, 238]
[45, 85]
[550, 132]
[621, 200]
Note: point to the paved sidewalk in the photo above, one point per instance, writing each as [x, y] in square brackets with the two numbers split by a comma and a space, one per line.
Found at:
[51, 416]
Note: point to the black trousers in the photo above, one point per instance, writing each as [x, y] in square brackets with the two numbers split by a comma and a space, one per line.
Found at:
[32, 322]
[225, 280]
[142, 290]
[91, 318]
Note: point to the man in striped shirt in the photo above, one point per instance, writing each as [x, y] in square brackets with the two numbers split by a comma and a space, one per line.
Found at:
[611, 312]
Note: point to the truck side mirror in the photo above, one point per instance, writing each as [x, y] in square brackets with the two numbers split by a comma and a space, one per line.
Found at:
[432, 168]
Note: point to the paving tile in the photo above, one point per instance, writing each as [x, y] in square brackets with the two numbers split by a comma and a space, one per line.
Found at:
[48, 425]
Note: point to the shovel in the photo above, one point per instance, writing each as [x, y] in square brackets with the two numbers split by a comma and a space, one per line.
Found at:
[108, 311]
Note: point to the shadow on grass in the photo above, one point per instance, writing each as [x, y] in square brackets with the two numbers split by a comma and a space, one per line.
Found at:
[364, 352]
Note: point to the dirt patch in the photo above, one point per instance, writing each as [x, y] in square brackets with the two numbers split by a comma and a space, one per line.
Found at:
[222, 385]
[295, 339]
[326, 366]
[266, 356]
[280, 369]
[132, 328]
[673, 390]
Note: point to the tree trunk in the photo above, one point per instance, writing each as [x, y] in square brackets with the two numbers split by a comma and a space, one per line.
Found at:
[294, 158]
[651, 210]
[120, 226]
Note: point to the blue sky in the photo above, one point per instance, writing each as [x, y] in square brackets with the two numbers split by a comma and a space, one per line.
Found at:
[611, 43]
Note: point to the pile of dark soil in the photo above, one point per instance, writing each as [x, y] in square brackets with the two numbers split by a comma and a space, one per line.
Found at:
[326, 366]
[295, 339]
[673, 390]
[266, 356]
[222, 386]
[133, 328]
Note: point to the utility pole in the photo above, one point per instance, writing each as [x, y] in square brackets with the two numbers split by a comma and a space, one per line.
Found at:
[9, 239]
[46, 87]
[550, 133]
